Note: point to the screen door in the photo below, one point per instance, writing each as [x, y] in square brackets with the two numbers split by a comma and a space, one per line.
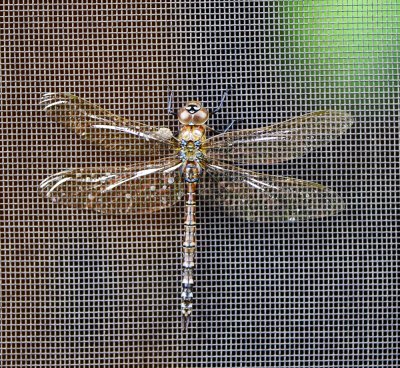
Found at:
[84, 289]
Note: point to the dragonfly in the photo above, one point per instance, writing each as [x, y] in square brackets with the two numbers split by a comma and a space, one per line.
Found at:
[168, 167]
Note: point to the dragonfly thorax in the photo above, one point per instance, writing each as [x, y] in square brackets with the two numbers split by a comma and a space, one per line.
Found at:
[192, 150]
[192, 140]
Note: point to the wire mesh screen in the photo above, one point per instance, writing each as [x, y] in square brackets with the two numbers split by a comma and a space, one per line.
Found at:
[84, 289]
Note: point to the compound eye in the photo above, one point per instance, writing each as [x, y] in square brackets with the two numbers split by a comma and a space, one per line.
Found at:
[200, 117]
[184, 116]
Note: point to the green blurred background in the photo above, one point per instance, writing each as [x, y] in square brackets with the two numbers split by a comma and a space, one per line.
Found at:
[343, 52]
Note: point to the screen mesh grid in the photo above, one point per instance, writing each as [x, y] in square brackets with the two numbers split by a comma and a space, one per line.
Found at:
[82, 289]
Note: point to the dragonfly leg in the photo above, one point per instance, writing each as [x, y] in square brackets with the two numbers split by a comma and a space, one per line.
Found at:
[233, 122]
[221, 103]
[228, 127]
[170, 102]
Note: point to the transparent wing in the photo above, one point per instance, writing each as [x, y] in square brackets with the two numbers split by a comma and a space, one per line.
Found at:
[268, 198]
[102, 127]
[118, 190]
[279, 142]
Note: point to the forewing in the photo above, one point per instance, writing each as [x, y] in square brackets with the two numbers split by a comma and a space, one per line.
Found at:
[268, 198]
[118, 190]
[104, 128]
[279, 142]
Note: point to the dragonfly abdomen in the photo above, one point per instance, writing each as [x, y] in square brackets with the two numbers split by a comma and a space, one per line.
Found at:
[188, 252]
[192, 138]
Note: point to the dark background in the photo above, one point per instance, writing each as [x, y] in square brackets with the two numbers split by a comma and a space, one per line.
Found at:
[80, 289]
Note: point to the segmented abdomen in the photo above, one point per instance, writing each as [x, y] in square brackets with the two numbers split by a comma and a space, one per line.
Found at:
[188, 252]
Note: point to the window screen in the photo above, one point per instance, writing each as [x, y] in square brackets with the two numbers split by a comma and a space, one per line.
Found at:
[83, 289]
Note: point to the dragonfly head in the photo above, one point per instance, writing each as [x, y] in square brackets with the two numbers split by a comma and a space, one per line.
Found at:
[193, 113]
